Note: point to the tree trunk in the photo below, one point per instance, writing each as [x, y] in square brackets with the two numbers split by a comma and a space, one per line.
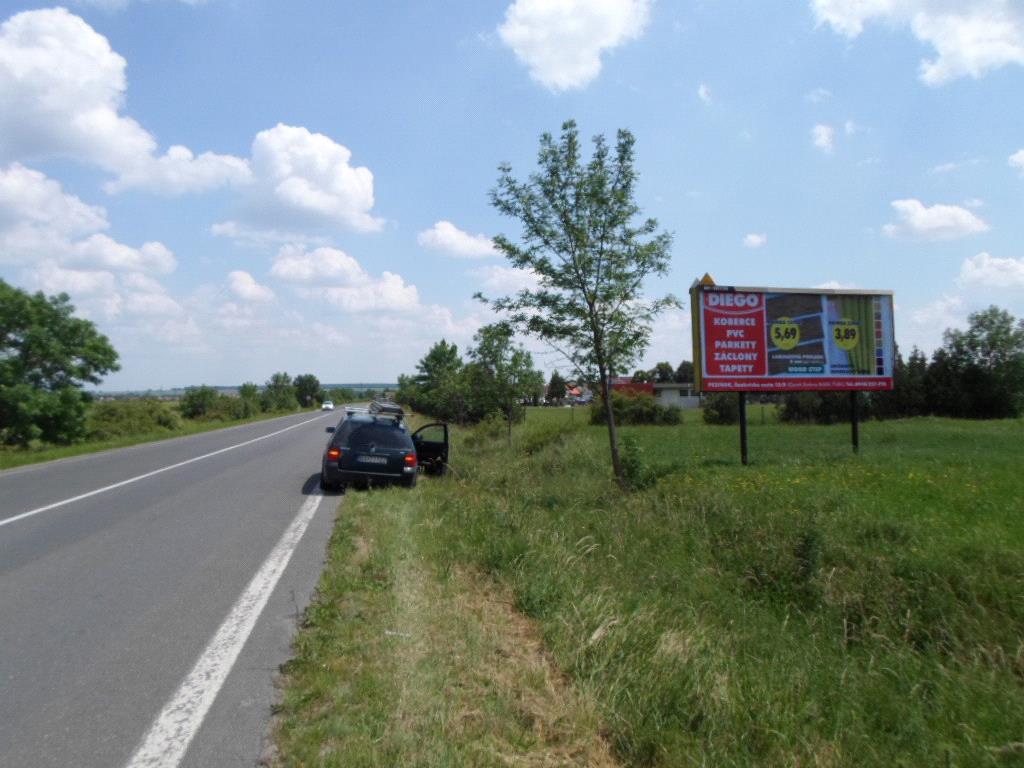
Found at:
[613, 435]
[508, 414]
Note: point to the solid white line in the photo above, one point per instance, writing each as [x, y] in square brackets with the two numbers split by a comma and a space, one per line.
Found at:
[135, 479]
[174, 728]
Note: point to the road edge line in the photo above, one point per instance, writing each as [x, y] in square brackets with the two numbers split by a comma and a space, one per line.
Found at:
[171, 733]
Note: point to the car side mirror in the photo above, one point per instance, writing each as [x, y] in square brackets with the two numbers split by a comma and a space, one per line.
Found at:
[329, 429]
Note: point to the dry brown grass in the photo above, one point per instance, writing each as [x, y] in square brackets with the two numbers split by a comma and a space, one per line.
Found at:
[563, 722]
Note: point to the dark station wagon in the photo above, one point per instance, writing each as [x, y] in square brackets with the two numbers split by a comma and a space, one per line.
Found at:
[372, 446]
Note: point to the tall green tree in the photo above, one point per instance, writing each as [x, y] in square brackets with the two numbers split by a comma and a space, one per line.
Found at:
[249, 395]
[279, 393]
[684, 373]
[439, 387]
[979, 372]
[556, 387]
[581, 238]
[307, 389]
[664, 373]
[502, 375]
[47, 355]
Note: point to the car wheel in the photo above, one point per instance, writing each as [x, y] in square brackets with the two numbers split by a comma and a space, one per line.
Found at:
[323, 482]
[409, 482]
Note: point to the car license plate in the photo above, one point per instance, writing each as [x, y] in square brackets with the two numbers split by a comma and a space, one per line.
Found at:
[373, 459]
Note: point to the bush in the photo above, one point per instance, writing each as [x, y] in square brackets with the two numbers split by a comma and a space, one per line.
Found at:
[820, 407]
[721, 408]
[125, 418]
[198, 401]
[634, 408]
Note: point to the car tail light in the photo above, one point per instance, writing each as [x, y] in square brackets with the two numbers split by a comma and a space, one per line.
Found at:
[333, 453]
[410, 459]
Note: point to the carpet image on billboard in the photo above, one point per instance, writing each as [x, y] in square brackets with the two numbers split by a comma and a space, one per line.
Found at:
[804, 312]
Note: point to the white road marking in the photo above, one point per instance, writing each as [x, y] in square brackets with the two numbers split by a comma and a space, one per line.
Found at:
[168, 738]
[135, 479]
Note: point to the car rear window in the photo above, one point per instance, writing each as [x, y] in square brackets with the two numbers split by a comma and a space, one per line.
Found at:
[380, 435]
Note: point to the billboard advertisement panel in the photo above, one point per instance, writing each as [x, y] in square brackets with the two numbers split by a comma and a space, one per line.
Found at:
[791, 339]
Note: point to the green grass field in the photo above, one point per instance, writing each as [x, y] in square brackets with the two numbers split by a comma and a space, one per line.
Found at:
[816, 608]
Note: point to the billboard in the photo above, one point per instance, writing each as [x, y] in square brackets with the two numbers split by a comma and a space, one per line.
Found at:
[791, 339]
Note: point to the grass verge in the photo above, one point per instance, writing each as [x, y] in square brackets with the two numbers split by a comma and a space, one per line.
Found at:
[403, 664]
[814, 609]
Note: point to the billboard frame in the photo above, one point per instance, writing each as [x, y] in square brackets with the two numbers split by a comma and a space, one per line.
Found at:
[865, 382]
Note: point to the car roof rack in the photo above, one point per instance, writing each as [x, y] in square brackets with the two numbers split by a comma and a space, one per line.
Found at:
[378, 409]
[384, 408]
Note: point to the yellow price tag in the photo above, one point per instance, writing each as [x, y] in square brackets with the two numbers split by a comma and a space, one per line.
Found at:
[845, 334]
[785, 334]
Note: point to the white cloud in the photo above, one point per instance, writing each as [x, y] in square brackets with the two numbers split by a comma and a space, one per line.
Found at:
[755, 240]
[505, 280]
[104, 294]
[235, 317]
[50, 277]
[851, 128]
[297, 265]
[970, 37]
[28, 198]
[974, 202]
[445, 236]
[39, 221]
[1017, 160]
[834, 285]
[253, 236]
[119, 5]
[818, 95]
[304, 179]
[56, 240]
[928, 323]
[951, 166]
[938, 222]
[823, 136]
[151, 304]
[670, 339]
[330, 335]
[561, 41]
[986, 271]
[62, 88]
[244, 286]
[388, 292]
[178, 172]
[333, 276]
[704, 93]
[102, 250]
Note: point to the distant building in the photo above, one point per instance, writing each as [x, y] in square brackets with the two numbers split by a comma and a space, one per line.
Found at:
[626, 384]
[679, 394]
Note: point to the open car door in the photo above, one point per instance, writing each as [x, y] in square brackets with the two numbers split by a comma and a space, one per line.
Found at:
[431, 442]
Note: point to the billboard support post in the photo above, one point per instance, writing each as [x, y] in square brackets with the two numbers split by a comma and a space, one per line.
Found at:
[854, 427]
[743, 427]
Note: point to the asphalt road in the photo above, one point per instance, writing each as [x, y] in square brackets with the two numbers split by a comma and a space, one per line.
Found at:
[108, 601]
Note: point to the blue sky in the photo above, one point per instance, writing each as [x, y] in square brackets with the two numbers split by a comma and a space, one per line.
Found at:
[233, 188]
